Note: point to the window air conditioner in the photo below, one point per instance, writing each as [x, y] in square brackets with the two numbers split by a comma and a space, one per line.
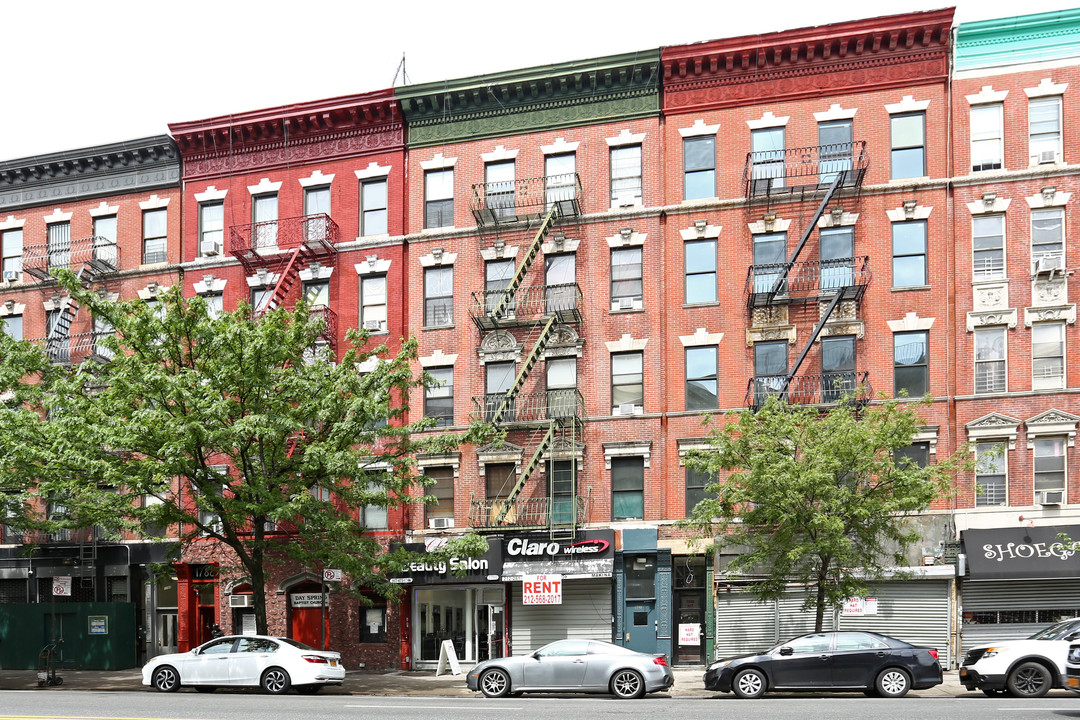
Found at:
[241, 601]
[440, 523]
[1048, 264]
[627, 409]
[1047, 157]
[11, 276]
[626, 303]
[1050, 497]
[210, 247]
[372, 324]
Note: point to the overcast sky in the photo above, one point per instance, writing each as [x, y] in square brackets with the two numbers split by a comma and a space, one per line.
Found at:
[85, 72]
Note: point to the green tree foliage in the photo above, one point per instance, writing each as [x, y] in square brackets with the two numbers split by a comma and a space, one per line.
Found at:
[817, 498]
[231, 427]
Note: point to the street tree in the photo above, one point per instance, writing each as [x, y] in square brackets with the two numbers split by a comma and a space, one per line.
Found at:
[817, 498]
[234, 427]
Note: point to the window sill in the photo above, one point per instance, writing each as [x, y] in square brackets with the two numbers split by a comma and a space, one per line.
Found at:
[911, 287]
[627, 312]
[710, 303]
[425, 328]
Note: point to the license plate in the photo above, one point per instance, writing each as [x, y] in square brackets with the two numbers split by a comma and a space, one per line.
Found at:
[1072, 682]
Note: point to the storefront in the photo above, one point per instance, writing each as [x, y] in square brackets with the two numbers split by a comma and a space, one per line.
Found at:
[462, 601]
[1018, 581]
[583, 569]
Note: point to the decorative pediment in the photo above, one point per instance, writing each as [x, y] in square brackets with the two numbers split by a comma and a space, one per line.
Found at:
[500, 346]
[563, 448]
[994, 425]
[564, 342]
[499, 453]
[1052, 422]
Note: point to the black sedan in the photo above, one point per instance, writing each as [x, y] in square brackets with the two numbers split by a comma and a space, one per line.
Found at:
[873, 663]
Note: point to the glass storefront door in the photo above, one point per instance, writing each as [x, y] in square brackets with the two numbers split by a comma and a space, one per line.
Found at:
[460, 615]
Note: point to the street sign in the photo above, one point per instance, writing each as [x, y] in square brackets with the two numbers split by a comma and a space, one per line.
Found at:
[332, 575]
[61, 585]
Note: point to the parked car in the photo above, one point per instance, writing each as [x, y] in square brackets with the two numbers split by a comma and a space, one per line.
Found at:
[1024, 668]
[588, 666]
[841, 660]
[273, 663]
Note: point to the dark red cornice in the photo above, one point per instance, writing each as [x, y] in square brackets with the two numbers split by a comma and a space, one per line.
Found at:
[370, 122]
[877, 53]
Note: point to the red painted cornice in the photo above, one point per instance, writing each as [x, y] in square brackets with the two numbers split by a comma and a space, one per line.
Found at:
[266, 133]
[877, 53]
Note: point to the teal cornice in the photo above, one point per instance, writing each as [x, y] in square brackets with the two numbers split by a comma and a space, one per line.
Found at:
[618, 87]
[1016, 40]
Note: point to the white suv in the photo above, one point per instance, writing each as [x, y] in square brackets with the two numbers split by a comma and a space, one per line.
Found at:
[1024, 668]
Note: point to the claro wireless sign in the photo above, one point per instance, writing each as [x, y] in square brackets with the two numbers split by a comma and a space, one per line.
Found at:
[525, 548]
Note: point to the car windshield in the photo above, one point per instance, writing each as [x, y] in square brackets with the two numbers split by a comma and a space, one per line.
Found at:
[1056, 631]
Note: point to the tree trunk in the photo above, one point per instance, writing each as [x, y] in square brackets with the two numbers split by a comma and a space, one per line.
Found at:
[258, 589]
[819, 602]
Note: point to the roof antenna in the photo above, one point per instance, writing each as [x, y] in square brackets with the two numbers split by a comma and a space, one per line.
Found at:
[401, 71]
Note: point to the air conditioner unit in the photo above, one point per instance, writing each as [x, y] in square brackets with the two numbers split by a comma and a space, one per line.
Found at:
[210, 247]
[1050, 497]
[626, 303]
[440, 523]
[11, 276]
[627, 409]
[1047, 157]
[1048, 264]
[372, 324]
[241, 601]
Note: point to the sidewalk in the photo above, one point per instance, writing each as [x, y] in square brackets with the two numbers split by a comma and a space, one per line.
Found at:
[402, 682]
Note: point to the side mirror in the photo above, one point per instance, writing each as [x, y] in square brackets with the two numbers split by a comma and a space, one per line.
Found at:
[1074, 635]
[786, 651]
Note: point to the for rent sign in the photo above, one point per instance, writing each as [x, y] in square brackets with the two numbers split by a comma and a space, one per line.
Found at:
[541, 590]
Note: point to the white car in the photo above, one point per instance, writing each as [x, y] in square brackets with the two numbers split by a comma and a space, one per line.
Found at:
[1024, 668]
[273, 663]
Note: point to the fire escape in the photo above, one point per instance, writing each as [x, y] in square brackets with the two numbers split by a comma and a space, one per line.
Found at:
[95, 261]
[805, 183]
[277, 250]
[537, 318]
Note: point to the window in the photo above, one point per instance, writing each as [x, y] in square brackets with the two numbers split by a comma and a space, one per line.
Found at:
[1048, 235]
[911, 372]
[439, 198]
[499, 196]
[988, 243]
[626, 175]
[641, 577]
[770, 260]
[560, 279]
[990, 473]
[626, 279]
[260, 297]
[560, 178]
[990, 360]
[560, 476]
[767, 146]
[700, 271]
[59, 343]
[373, 625]
[837, 367]
[627, 384]
[317, 294]
[908, 138]
[1049, 463]
[696, 482]
[837, 257]
[105, 240]
[917, 453]
[770, 369]
[211, 228]
[373, 303]
[208, 519]
[59, 243]
[835, 149]
[373, 201]
[1048, 356]
[986, 137]
[627, 488]
[1044, 126]
[154, 236]
[561, 382]
[374, 516]
[499, 479]
[11, 248]
[497, 277]
[317, 212]
[699, 167]
[439, 296]
[12, 326]
[701, 378]
[909, 254]
[439, 397]
[215, 304]
[498, 379]
[442, 491]
[264, 217]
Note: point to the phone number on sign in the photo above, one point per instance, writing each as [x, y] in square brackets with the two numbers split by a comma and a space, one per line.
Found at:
[543, 600]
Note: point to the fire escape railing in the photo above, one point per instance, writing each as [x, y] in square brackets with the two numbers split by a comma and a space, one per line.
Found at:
[510, 201]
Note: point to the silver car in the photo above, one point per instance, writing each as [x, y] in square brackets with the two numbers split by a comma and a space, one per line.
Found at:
[588, 666]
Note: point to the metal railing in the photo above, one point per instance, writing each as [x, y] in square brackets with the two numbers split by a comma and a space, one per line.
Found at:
[826, 388]
[507, 201]
[528, 304]
[283, 234]
[99, 254]
[807, 280]
[534, 512]
[773, 172]
[534, 407]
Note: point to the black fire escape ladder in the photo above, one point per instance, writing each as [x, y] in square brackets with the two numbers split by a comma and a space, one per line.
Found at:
[531, 359]
[818, 327]
[56, 343]
[837, 182]
[504, 305]
[285, 281]
[549, 435]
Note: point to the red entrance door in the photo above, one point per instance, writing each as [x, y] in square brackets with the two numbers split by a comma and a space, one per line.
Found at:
[305, 616]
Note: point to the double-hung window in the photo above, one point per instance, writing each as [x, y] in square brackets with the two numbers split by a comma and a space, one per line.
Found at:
[770, 258]
[699, 167]
[11, 251]
[1048, 356]
[700, 265]
[59, 242]
[1048, 238]
[1044, 128]
[442, 491]
[317, 213]
[626, 175]
[626, 279]
[988, 244]
[439, 198]
[373, 202]
[499, 186]
[264, 219]
[373, 303]
[836, 149]
[155, 228]
[696, 482]
[439, 296]
[374, 516]
[211, 228]
[439, 396]
[986, 137]
[627, 488]
[990, 473]
[12, 326]
[701, 378]
[911, 369]
[909, 254]
[627, 383]
[105, 240]
[837, 367]
[1049, 463]
[560, 178]
[990, 360]
[767, 147]
[497, 277]
[908, 145]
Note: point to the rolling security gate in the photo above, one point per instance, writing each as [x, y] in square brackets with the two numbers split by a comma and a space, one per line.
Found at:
[1025, 606]
[585, 613]
[917, 612]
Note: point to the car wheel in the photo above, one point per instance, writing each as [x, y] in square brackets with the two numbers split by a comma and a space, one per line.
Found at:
[1029, 680]
[627, 684]
[165, 679]
[892, 683]
[276, 681]
[308, 689]
[749, 684]
[495, 683]
[994, 692]
[205, 688]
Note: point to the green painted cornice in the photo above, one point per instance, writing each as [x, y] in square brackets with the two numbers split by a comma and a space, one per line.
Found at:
[616, 87]
[1016, 40]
